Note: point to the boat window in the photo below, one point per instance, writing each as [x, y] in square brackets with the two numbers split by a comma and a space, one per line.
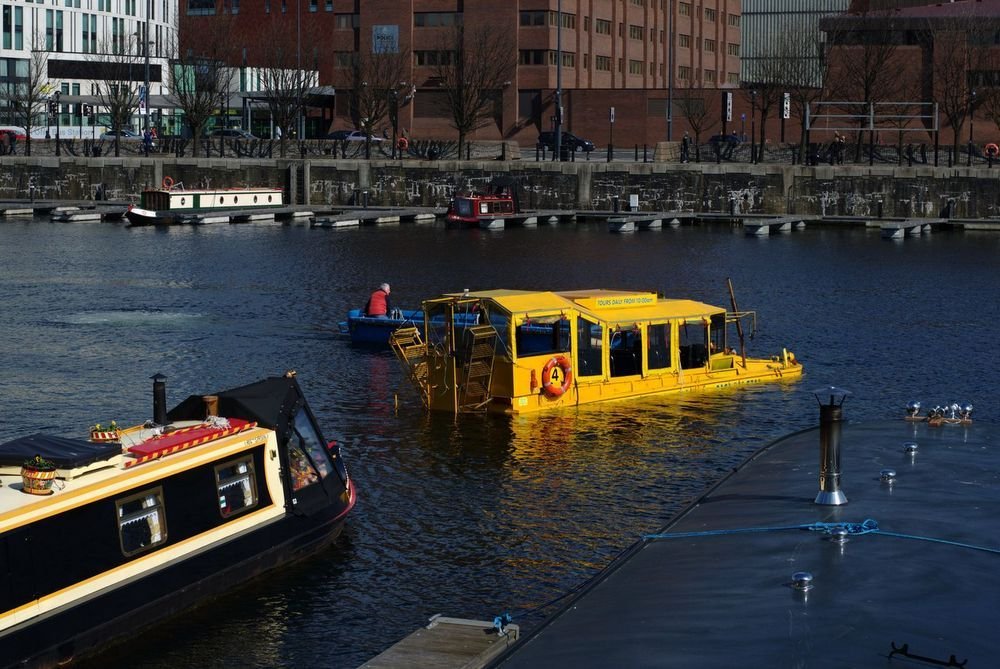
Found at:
[693, 344]
[302, 471]
[625, 351]
[589, 348]
[312, 444]
[237, 485]
[658, 346]
[717, 333]
[484, 208]
[501, 323]
[142, 524]
[539, 335]
[463, 207]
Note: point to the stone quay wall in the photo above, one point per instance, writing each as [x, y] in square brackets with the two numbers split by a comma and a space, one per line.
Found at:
[587, 185]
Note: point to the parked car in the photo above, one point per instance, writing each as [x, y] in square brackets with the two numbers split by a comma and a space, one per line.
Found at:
[722, 141]
[123, 134]
[352, 136]
[569, 140]
[234, 133]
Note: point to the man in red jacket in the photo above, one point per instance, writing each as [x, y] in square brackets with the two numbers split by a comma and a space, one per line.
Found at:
[378, 303]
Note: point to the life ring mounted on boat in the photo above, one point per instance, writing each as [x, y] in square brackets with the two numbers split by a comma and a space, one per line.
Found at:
[167, 183]
[402, 144]
[991, 150]
[551, 384]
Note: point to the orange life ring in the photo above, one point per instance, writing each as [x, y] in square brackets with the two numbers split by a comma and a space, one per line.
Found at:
[167, 183]
[551, 386]
[402, 144]
[992, 149]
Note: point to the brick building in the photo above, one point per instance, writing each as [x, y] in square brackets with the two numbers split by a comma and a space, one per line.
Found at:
[613, 52]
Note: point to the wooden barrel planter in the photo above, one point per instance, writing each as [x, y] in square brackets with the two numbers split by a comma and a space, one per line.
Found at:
[37, 476]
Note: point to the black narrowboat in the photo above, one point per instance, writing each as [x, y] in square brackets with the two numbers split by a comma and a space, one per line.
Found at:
[102, 537]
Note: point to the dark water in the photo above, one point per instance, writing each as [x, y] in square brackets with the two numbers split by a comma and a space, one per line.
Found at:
[476, 515]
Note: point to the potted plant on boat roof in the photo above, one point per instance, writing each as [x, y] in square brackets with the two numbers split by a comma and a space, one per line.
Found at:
[37, 475]
[99, 433]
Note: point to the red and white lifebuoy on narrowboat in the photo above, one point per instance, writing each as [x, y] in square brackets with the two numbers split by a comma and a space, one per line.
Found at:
[551, 384]
[991, 150]
[402, 144]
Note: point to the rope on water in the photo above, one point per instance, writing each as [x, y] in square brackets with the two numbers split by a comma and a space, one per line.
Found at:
[868, 526]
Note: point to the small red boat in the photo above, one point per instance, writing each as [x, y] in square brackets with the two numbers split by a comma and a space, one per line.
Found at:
[499, 201]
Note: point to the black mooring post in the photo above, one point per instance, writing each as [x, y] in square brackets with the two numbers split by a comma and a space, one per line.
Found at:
[831, 417]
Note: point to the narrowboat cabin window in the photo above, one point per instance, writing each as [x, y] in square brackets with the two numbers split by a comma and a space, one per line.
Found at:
[484, 208]
[590, 347]
[237, 485]
[303, 473]
[693, 344]
[142, 524]
[542, 335]
[658, 346]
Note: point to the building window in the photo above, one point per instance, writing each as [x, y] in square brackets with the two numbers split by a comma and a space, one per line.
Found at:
[621, 65]
[586, 61]
[201, 7]
[710, 45]
[142, 524]
[684, 72]
[347, 21]
[734, 20]
[733, 49]
[684, 9]
[710, 15]
[236, 483]
[602, 63]
[424, 58]
[329, 6]
[684, 41]
[343, 58]
[586, 24]
[710, 76]
[635, 67]
[313, 5]
[733, 78]
[602, 27]
[635, 32]
[568, 59]
[531, 57]
[437, 19]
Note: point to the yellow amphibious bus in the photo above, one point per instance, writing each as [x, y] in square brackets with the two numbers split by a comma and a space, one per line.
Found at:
[515, 351]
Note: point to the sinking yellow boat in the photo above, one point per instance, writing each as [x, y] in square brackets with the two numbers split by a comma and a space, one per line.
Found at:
[516, 351]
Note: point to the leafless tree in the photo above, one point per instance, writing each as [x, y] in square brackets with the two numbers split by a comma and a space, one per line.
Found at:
[800, 69]
[961, 48]
[867, 65]
[118, 73]
[378, 88]
[284, 81]
[473, 66]
[201, 78]
[701, 112]
[26, 96]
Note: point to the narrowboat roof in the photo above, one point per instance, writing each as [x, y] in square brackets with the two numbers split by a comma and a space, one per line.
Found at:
[602, 304]
[755, 573]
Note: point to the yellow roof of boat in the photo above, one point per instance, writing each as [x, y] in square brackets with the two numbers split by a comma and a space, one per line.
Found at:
[602, 304]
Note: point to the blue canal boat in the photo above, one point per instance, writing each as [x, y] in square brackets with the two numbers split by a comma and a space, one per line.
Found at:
[774, 568]
[372, 331]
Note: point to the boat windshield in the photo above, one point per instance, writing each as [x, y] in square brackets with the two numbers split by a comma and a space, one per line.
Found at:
[462, 206]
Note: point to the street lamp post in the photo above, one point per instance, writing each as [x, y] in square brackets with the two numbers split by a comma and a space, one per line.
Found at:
[972, 111]
[58, 110]
[146, 42]
[753, 132]
[559, 120]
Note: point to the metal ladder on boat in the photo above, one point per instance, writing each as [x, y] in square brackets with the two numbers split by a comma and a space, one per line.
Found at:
[412, 352]
[480, 351]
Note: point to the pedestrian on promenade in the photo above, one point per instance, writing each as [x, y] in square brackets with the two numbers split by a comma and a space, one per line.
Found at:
[685, 147]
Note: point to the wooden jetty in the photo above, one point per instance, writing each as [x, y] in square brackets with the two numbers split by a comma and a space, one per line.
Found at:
[447, 642]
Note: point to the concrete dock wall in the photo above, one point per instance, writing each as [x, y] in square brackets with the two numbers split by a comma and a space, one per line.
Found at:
[707, 188]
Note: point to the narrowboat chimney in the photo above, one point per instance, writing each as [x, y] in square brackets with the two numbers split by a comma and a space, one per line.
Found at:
[159, 399]
[831, 416]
